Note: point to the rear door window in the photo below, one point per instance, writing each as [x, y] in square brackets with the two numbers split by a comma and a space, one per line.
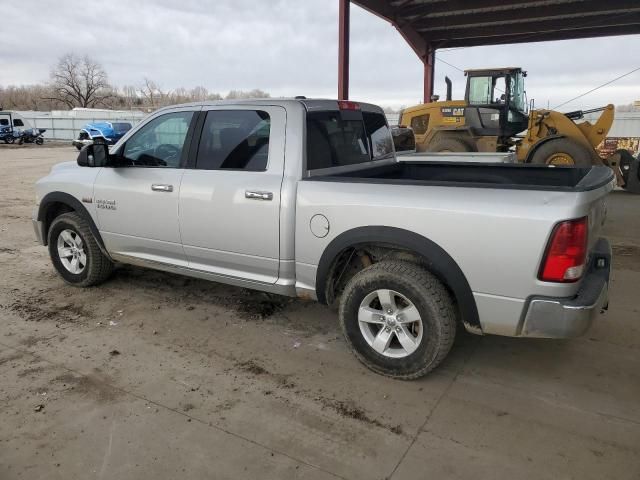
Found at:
[235, 140]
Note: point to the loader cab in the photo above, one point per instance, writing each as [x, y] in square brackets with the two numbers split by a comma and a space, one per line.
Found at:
[496, 102]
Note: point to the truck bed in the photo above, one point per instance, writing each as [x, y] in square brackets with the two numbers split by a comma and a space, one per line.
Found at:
[478, 175]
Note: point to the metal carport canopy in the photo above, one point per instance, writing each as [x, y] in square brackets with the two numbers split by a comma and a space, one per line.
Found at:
[428, 25]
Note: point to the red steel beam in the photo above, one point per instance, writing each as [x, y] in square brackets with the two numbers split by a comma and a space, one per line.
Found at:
[429, 62]
[343, 50]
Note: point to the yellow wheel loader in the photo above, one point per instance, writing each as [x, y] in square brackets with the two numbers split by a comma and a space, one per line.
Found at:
[495, 111]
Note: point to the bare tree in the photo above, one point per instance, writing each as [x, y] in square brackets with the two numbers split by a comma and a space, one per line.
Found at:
[240, 94]
[152, 94]
[79, 82]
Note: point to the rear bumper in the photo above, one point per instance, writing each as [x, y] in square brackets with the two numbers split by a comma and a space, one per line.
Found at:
[550, 317]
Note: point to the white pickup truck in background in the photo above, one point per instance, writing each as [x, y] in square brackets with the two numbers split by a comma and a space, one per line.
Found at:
[307, 198]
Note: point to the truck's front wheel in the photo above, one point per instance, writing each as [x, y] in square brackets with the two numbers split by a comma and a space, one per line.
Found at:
[398, 319]
[75, 253]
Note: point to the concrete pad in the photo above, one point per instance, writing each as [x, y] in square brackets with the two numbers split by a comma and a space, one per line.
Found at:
[186, 374]
[86, 429]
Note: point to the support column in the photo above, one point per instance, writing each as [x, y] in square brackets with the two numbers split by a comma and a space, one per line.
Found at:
[343, 50]
[429, 65]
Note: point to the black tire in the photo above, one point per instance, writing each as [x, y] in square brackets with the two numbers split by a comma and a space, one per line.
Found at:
[39, 141]
[98, 267]
[632, 182]
[580, 155]
[625, 163]
[448, 144]
[9, 139]
[426, 293]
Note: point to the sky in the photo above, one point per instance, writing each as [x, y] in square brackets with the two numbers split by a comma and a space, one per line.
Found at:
[288, 48]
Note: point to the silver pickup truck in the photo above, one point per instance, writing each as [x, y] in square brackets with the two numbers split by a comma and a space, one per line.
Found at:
[306, 198]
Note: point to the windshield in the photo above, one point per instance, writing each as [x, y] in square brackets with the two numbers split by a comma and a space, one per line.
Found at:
[517, 92]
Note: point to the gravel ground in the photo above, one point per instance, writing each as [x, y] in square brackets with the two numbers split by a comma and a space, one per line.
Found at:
[159, 376]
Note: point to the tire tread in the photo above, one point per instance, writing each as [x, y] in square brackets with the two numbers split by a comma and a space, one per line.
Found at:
[431, 287]
[100, 266]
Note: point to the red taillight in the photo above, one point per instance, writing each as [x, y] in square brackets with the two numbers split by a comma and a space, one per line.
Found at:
[566, 252]
[347, 105]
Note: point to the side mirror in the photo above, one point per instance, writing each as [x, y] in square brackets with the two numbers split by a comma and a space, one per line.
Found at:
[94, 155]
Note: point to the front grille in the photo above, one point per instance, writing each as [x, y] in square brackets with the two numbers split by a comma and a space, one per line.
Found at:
[83, 136]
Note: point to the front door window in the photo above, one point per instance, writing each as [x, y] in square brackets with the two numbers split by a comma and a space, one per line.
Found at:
[160, 143]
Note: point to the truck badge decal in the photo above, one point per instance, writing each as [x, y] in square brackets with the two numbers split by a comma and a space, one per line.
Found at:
[87, 200]
[452, 111]
[106, 204]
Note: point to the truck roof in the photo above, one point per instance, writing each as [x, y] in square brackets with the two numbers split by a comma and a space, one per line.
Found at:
[310, 104]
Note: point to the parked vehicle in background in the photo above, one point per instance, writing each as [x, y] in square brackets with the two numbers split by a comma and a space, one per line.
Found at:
[6, 134]
[307, 198]
[32, 135]
[11, 125]
[108, 132]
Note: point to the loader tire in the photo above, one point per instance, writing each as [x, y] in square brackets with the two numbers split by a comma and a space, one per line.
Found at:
[632, 184]
[449, 145]
[562, 152]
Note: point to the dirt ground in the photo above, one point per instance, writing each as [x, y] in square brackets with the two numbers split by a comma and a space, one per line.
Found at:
[159, 376]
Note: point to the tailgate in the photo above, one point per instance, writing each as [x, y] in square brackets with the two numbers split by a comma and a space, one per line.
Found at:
[597, 213]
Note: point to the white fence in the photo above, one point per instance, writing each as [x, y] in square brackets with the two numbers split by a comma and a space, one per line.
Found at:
[66, 125]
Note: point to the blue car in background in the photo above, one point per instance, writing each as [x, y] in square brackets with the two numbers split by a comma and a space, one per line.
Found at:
[109, 132]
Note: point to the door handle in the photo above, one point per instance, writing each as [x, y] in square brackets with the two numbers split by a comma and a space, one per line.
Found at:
[159, 187]
[258, 195]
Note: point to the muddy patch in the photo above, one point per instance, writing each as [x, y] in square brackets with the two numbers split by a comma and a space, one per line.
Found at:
[11, 358]
[94, 385]
[253, 367]
[31, 371]
[349, 409]
[181, 290]
[250, 366]
[626, 257]
[10, 251]
[259, 306]
[37, 308]
[32, 341]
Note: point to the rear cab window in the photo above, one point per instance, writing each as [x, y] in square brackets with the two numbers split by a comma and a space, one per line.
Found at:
[338, 138]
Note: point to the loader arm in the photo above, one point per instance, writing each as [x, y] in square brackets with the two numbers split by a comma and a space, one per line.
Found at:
[597, 132]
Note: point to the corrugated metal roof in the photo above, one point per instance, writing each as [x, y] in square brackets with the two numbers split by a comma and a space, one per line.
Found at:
[434, 24]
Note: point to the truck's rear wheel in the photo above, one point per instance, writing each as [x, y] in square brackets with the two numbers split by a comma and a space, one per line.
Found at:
[449, 145]
[562, 152]
[75, 253]
[398, 319]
